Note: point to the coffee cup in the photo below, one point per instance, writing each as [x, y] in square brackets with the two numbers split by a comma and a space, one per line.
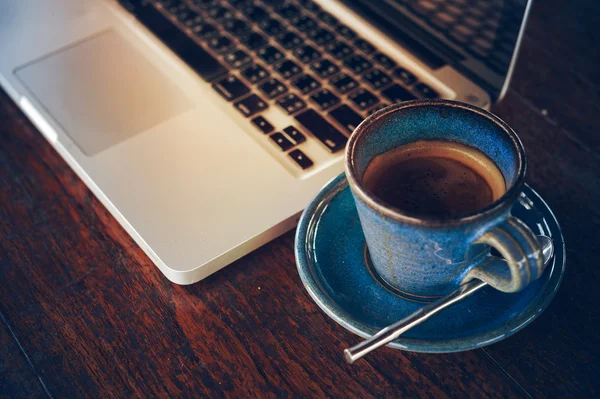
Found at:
[434, 182]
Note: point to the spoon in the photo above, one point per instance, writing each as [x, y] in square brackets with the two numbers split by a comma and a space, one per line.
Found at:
[390, 333]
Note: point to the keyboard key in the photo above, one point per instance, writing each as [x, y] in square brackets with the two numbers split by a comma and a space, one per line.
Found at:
[346, 117]
[443, 20]
[272, 88]
[289, 12]
[426, 91]
[346, 32]
[459, 38]
[264, 126]
[320, 36]
[324, 68]
[231, 88]
[324, 131]
[294, 135]
[479, 52]
[325, 99]
[397, 93]
[328, 19]
[172, 3]
[204, 3]
[482, 43]
[357, 63]
[377, 108]
[363, 99]
[426, 7]
[283, 142]
[204, 30]
[464, 30]
[406, 77]
[376, 78]
[305, 23]
[488, 34]
[270, 54]
[253, 40]
[289, 40]
[236, 27]
[255, 73]
[383, 60]
[220, 13]
[173, 6]
[221, 44]
[291, 103]
[251, 105]
[476, 12]
[236, 3]
[338, 49]
[274, 3]
[343, 83]
[191, 19]
[288, 68]
[183, 13]
[364, 46]
[456, 10]
[237, 58]
[306, 84]
[181, 44]
[307, 54]
[272, 27]
[302, 160]
[255, 13]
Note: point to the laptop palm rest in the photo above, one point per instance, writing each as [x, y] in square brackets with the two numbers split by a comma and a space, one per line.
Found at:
[102, 91]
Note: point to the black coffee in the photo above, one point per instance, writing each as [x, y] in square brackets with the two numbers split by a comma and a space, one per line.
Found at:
[435, 178]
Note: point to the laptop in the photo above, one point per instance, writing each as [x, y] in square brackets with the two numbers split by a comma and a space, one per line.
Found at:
[206, 126]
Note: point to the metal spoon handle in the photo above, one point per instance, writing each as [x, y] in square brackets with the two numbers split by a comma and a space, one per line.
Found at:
[393, 331]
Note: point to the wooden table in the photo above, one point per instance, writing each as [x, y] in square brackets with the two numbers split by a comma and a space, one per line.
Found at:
[85, 313]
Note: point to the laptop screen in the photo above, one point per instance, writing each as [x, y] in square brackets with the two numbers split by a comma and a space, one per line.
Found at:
[477, 37]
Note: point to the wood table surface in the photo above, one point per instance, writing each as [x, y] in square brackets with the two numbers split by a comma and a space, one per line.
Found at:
[85, 313]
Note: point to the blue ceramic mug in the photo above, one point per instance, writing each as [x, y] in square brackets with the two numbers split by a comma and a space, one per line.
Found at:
[426, 256]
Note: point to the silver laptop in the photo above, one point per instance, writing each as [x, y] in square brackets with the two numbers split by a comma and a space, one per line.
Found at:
[205, 126]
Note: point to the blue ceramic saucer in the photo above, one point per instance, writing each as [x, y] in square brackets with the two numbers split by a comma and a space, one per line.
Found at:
[330, 254]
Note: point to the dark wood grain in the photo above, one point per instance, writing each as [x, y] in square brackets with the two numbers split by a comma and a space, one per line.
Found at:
[558, 70]
[84, 313]
[17, 377]
[557, 355]
[541, 76]
[568, 32]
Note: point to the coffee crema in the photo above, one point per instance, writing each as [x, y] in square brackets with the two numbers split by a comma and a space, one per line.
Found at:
[436, 178]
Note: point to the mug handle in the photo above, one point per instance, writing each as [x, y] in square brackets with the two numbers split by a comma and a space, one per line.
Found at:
[522, 254]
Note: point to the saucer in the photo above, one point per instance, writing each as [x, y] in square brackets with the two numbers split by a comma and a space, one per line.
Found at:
[330, 254]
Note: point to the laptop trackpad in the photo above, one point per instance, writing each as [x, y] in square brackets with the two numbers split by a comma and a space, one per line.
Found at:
[102, 91]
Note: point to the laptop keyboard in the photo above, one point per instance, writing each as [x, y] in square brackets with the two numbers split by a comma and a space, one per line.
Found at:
[473, 25]
[289, 54]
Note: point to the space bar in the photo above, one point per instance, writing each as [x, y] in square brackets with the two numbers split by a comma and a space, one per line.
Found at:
[181, 44]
